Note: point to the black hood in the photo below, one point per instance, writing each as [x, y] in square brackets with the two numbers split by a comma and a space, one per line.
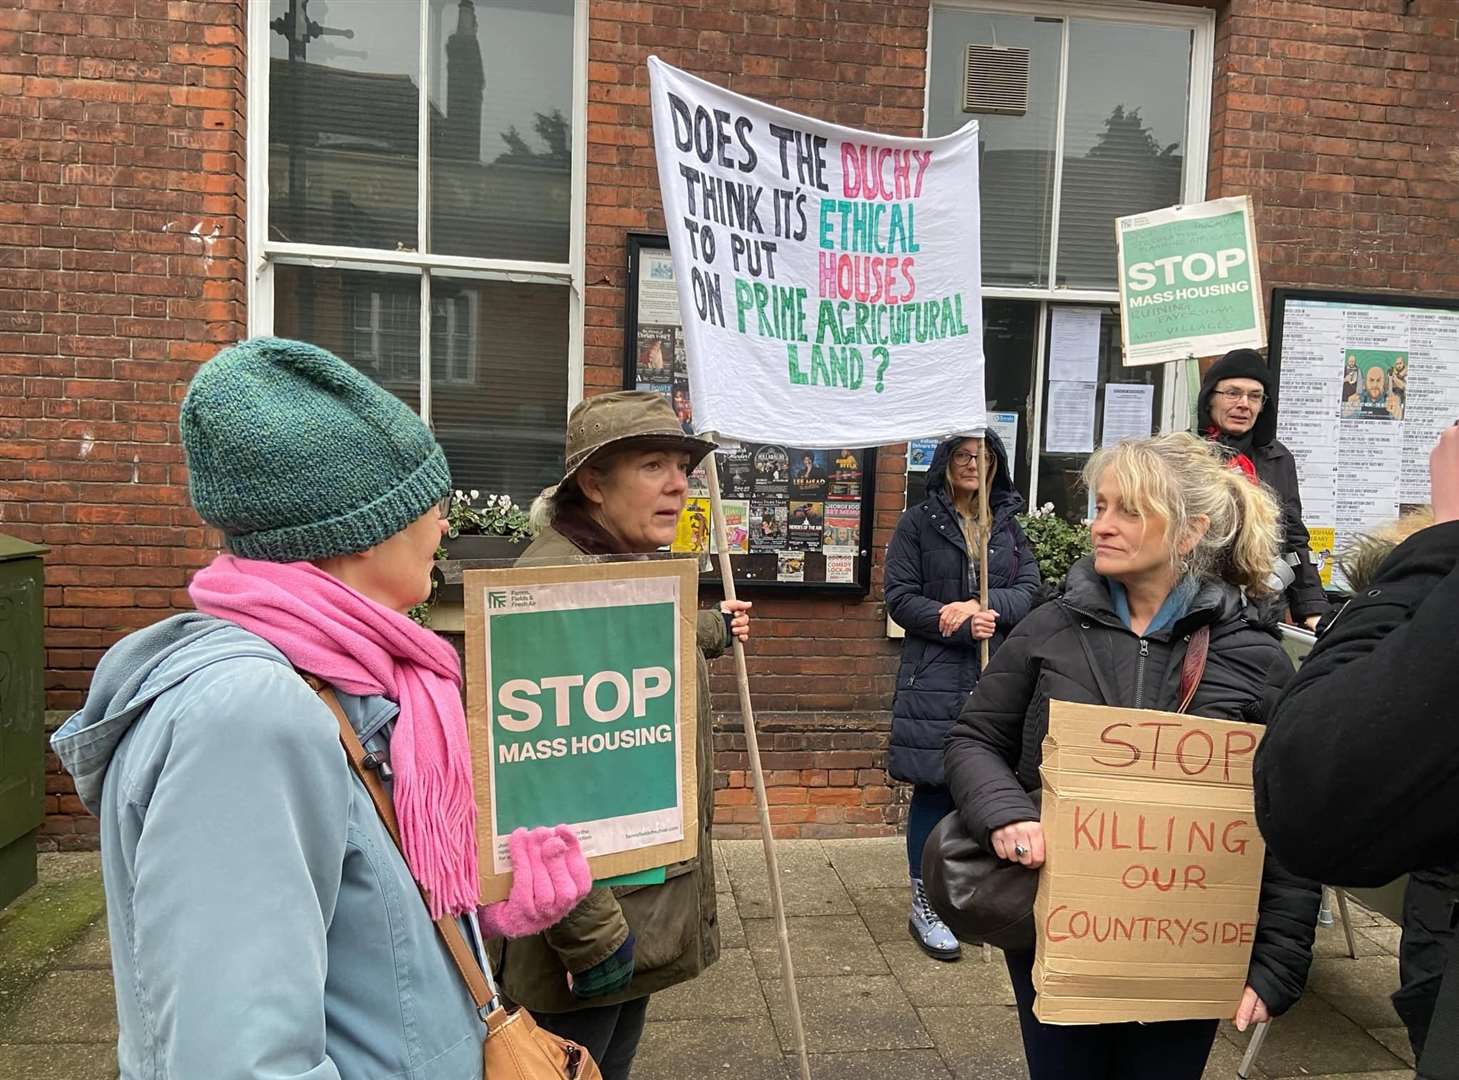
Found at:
[1242, 364]
[1003, 497]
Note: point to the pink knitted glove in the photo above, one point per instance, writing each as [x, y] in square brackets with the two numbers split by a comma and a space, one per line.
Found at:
[549, 877]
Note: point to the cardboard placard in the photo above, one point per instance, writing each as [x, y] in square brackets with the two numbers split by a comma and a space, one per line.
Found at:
[1190, 283]
[1147, 902]
[581, 708]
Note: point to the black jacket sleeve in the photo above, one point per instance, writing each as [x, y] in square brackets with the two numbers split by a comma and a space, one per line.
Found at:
[1304, 595]
[1357, 779]
[981, 753]
[913, 612]
[1286, 926]
[1015, 600]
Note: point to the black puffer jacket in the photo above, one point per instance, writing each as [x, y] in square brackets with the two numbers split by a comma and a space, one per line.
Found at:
[1275, 467]
[1077, 649]
[1357, 782]
[927, 567]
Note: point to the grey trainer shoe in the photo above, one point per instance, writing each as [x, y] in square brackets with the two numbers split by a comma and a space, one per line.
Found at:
[927, 930]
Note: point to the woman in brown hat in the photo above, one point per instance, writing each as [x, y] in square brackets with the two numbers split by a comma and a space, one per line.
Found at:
[589, 977]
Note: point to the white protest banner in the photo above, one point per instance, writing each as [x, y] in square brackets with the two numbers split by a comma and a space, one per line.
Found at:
[828, 278]
[1189, 282]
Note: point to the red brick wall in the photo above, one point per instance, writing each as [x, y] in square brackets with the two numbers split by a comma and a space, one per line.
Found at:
[821, 669]
[121, 267]
[1341, 118]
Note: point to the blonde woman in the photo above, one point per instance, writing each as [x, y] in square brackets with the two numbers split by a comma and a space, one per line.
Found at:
[1181, 542]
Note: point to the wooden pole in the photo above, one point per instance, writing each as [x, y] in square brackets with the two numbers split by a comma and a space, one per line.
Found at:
[984, 528]
[752, 747]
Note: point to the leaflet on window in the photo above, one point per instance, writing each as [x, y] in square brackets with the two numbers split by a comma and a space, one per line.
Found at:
[1069, 425]
[1074, 344]
[1129, 412]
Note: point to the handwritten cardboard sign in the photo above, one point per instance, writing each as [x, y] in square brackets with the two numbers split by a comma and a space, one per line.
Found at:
[829, 278]
[1147, 903]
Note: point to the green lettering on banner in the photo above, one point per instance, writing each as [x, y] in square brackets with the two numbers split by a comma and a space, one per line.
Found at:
[583, 713]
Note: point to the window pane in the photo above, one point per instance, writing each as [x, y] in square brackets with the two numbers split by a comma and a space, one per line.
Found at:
[499, 383]
[501, 145]
[343, 124]
[369, 319]
[1015, 153]
[1059, 474]
[1124, 139]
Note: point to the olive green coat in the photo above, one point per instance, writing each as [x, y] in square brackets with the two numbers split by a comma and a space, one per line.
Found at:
[675, 924]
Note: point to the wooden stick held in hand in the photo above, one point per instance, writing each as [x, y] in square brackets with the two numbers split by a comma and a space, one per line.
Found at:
[984, 528]
[752, 746]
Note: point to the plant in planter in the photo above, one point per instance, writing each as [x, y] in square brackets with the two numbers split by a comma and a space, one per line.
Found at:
[1057, 543]
[489, 529]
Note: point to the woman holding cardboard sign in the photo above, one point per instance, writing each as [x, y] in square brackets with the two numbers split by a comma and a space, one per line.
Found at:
[589, 977]
[1182, 546]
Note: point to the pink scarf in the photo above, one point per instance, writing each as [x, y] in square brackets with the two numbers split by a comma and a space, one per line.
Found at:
[327, 629]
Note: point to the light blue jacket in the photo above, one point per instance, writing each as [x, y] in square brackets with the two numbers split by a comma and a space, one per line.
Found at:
[263, 924]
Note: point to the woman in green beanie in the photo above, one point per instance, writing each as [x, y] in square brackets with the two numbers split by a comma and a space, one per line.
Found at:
[263, 920]
[589, 977]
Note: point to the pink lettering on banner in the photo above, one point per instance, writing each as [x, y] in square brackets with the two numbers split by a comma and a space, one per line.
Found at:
[879, 172]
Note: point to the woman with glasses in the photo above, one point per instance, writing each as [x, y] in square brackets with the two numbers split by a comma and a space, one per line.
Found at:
[1238, 410]
[932, 589]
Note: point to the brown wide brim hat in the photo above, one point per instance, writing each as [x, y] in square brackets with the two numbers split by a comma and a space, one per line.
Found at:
[628, 418]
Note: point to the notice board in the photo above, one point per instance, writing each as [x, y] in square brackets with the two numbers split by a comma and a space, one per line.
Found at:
[797, 518]
[1366, 381]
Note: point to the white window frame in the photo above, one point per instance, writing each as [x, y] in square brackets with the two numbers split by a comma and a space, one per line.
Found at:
[1202, 24]
[264, 254]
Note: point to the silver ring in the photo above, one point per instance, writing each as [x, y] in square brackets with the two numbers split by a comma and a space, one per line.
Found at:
[1020, 850]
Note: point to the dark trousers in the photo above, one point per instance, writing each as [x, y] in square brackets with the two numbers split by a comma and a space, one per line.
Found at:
[609, 1032]
[929, 805]
[1172, 1050]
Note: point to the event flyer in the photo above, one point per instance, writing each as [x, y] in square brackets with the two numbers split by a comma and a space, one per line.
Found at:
[769, 524]
[1365, 390]
[736, 527]
[842, 533]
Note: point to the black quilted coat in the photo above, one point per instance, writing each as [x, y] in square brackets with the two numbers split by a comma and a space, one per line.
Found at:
[927, 567]
[1077, 649]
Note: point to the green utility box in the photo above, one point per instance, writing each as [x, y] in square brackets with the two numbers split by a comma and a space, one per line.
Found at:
[22, 712]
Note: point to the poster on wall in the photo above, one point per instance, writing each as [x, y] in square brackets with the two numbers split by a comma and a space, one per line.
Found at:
[829, 279]
[1365, 384]
[798, 517]
[1189, 282]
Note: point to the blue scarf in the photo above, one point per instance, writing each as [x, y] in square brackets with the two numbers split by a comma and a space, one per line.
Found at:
[1176, 603]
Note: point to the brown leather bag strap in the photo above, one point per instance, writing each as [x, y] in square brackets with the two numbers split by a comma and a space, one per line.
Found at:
[1194, 666]
[368, 770]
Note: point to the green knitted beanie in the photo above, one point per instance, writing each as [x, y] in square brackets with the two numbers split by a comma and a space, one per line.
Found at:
[296, 456]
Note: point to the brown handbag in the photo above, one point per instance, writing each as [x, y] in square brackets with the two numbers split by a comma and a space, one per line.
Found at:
[515, 1047]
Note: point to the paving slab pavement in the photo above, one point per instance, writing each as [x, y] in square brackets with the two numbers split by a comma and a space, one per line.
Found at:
[875, 1007]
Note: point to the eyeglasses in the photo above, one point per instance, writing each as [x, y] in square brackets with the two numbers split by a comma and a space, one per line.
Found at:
[1256, 397]
[963, 457]
[443, 506]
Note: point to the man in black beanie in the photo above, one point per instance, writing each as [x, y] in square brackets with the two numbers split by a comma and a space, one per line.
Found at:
[1238, 410]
